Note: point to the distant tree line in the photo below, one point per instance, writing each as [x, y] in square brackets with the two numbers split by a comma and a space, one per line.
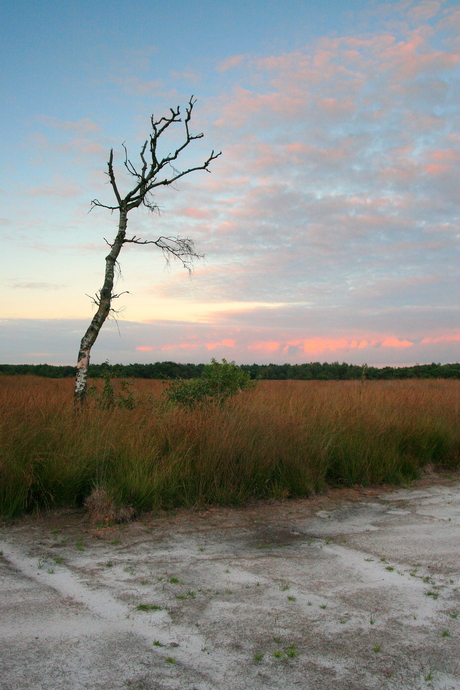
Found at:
[274, 372]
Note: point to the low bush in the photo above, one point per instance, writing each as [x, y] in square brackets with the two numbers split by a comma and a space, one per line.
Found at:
[218, 382]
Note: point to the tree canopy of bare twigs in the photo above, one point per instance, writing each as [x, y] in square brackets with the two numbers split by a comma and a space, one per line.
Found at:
[151, 172]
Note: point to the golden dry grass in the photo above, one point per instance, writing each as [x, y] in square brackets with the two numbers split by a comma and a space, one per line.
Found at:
[283, 438]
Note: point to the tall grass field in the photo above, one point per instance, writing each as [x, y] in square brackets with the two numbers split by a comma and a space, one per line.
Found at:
[279, 439]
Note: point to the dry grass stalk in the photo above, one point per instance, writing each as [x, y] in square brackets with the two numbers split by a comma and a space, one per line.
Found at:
[101, 508]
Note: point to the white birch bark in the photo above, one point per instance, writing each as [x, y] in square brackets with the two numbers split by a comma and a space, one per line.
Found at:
[103, 310]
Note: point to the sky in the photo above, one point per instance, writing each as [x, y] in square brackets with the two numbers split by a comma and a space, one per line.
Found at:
[329, 224]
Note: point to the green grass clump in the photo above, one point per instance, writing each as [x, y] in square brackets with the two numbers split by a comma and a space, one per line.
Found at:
[276, 440]
[148, 607]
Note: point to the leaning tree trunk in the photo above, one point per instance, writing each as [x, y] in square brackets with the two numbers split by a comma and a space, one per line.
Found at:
[104, 302]
[147, 178]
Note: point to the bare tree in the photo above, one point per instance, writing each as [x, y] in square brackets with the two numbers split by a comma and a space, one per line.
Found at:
[151, 172]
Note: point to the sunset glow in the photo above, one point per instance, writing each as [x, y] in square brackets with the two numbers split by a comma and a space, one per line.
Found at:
[328, 229]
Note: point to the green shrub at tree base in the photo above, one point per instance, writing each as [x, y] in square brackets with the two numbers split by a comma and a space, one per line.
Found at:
[217, 383]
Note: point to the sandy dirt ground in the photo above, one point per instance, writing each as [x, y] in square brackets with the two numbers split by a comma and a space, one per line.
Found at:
[349, 590]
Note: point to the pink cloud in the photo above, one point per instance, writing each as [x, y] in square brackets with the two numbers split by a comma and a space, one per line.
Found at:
[323, 345]
[82, 126]
[144, 348]
[198, 213]
[322, 57]
[336, 109]
[230, 63]
[426, 10]
[182, 346]
[224, 343]
[409, 59]
[441, 339]
[395, 342]
[187, 75]
[434, 169]
[265, 346]
[447, 155]
[450, 21]
[88, 147]
[64, 191]
[134, 85]
[317, 345]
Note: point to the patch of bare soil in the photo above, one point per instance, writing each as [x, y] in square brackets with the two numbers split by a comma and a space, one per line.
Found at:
[355, 588]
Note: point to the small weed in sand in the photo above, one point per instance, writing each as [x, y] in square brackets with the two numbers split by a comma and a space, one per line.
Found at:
[323, 606]
[79, 545]
[258, 656]
[157, 643]
[285, 586]
[291, 651]
[291, 598]
[50, 571]
[58, 560]
[390, 568]
[115, 542]
[149, 607]
[429, 676]
[377, 648]
[277, 640]
[175, 581]
[446, 633]
[453, 615]
[170, 659]
[190, 595]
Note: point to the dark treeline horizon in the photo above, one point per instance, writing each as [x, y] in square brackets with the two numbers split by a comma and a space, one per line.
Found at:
[305, 372]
